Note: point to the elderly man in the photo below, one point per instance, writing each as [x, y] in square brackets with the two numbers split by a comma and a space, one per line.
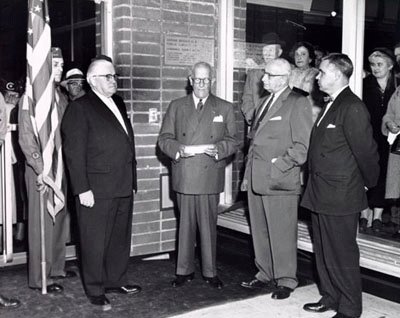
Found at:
[253, 90]
[342, 162]
[278, 147]
[99, 151]
[198, 134]
[73, 83]
[57, 230]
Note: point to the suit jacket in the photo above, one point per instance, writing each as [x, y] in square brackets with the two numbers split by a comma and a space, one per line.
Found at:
[183, 125]
[253, 92]
[342, 158]
[99, 154]
[284, 134]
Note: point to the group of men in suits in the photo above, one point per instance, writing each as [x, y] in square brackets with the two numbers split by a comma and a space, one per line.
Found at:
[342, 163]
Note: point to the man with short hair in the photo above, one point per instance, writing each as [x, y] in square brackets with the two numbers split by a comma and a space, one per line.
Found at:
[57, 229]
[99, 150]
[279, 139]
[73, 83]
[199, 134]
[342, 164]
[253, 90]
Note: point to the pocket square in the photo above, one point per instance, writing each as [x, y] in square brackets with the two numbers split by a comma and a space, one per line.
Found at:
[331, 126]
[218, 119]
[276, 118]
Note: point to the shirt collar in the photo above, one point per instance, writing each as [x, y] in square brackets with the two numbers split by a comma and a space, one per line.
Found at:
[336, 94]
[196, 99]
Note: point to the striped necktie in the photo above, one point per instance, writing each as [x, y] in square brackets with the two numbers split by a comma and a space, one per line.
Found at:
[200, 105]
[261, 113]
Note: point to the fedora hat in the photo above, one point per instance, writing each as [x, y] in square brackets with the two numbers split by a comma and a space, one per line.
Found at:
[272, 38]
[74, 74]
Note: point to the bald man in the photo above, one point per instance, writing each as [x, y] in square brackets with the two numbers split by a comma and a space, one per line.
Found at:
[99, 151]
[279, 142]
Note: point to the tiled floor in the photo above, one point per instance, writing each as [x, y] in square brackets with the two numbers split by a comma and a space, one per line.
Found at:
[265, 307]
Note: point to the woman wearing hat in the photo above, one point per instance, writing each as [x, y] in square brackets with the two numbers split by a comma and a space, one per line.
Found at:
[378, 87]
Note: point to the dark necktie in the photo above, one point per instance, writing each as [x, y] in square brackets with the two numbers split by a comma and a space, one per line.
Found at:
[261, 113]
[200, 105]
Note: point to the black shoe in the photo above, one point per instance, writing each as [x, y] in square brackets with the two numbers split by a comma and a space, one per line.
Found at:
[100, 301]
[214, 282]
[281, 292]
[316, 307]
[363, 224]
[8, 303]
[51, 289]
[257, 284]
[127, 290]
[68, 274]
[180, 280]
[377, 225]
[339, 315]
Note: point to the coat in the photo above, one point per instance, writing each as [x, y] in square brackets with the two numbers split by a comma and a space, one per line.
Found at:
[342, 159]
[99, 154]
[183, 125]
[284, 134]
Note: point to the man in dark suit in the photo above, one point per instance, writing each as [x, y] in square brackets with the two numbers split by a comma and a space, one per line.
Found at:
[100, 156]
[279, 141]
[343, 163]
[253, 90]
[198, 134]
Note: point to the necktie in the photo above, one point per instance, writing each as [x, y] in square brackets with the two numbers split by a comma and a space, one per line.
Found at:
[200, 105]
[261, 113]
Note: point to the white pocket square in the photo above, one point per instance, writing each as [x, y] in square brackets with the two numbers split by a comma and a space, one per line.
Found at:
[218, 119]
[276, 118]
[331, 126]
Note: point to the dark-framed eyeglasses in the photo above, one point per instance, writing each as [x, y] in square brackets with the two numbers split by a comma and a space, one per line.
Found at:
[108, 77]
[273, 75]
[197, 80]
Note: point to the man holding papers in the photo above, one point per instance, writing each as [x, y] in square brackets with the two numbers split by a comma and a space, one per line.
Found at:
[198, 134]
[279, 142]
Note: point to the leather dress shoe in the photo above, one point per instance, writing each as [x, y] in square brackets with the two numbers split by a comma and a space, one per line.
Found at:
[281, 292]
[100, 301]
[8, 303]
[257, 284]
[180, 280]
[316, 307]
[51, 289]
[68, 274]
[126, 290]
[340, 315]
[214, 282]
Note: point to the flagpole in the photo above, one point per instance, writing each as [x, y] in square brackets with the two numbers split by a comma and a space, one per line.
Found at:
[42, 245]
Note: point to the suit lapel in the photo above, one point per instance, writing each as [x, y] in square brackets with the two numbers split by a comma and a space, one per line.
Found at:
[274, 108]
[190, 117]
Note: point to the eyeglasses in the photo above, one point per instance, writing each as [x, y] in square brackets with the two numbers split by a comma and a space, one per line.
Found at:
[109, 77]
[75, 84]
[201, 80]
[273, 75]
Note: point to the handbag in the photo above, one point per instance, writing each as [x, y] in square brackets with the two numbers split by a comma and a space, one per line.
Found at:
[395, 148]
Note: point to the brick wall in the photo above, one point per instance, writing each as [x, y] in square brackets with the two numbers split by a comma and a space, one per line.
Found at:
[139, 29]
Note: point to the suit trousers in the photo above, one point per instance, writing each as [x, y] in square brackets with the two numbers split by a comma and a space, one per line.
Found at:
[105, 241]
[56, 236]
[201, 210]
[338, 261]
[273, 220]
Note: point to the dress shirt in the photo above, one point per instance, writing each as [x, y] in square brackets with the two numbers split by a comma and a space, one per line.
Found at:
[111, 106]
[333, 97]
[196, 100]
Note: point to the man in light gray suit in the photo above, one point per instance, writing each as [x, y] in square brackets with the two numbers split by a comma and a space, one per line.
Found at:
[198, 134]
[279, 142]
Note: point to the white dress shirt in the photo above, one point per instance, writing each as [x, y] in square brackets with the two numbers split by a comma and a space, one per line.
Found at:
[333, 97]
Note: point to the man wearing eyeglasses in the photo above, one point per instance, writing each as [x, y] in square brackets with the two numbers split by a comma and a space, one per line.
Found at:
[199, 134]
[278, 147]
[73, 83]
[99, 151]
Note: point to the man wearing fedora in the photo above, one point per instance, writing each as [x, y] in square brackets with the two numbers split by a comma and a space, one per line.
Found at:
[253, 89]
[73, 83]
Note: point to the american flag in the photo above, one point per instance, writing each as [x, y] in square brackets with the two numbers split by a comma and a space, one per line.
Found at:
[41, 101]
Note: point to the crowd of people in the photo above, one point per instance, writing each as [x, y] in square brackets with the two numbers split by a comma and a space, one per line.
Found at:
[300, 114]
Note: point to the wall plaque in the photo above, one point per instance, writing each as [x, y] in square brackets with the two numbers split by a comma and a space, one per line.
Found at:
[188, 51]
